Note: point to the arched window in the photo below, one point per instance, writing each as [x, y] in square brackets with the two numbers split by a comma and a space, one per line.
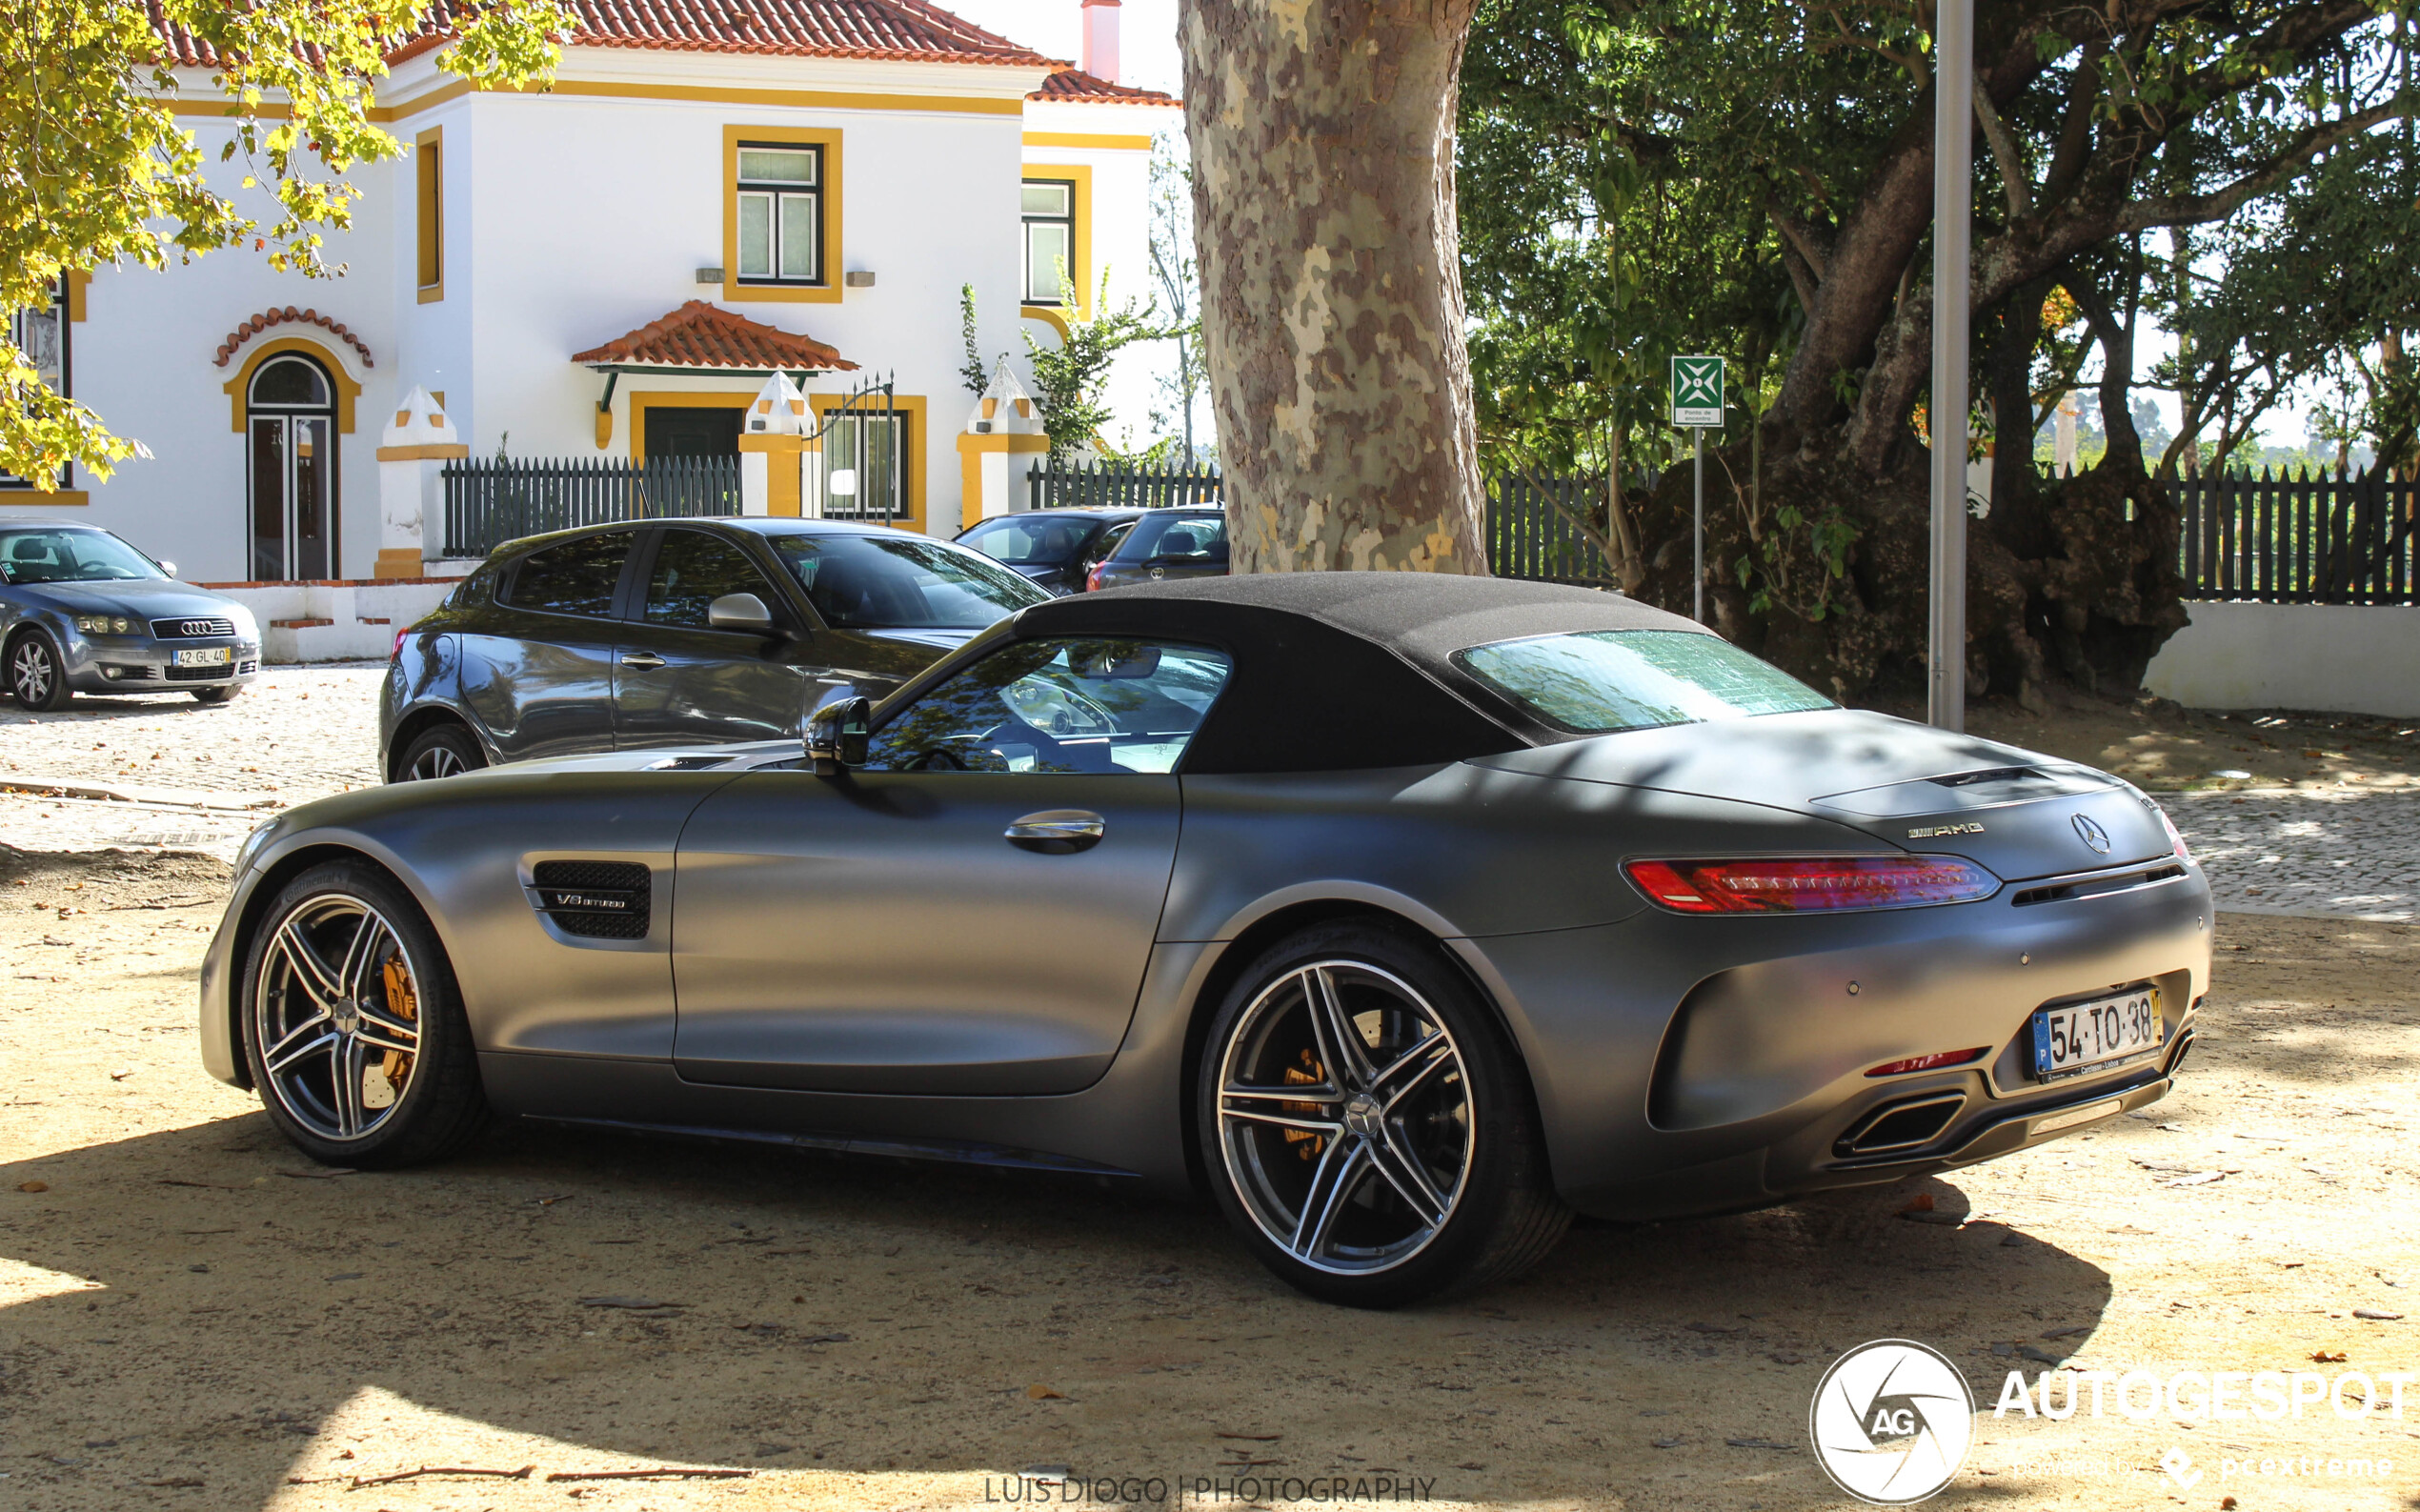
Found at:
[291, 449]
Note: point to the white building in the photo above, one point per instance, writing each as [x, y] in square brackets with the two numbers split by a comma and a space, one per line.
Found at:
[613, 267]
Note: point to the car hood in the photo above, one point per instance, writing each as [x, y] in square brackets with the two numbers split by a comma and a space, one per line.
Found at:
[2019, 813]
[139, 598]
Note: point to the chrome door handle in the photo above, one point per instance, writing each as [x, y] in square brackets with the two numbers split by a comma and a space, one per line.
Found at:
[1057, 831]
[643, 662]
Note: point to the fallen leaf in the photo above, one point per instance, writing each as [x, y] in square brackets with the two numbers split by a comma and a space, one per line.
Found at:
[2069, 1332]
[1921, 1203]
[2198, 1178]
[1260, 1437]
[330, 1174]
[1041, 1392]
[633, 1304]
[121, 1073]
[1665, 1443]
[2326, 1357]
[2373, 1314]
[33, 1186]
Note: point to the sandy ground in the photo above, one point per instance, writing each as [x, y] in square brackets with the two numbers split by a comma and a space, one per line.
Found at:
[192, 1317]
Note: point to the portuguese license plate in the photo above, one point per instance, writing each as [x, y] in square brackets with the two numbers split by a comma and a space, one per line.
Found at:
[206, 657]
[2078, 1037]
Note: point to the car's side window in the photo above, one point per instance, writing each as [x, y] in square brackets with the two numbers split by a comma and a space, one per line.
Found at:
[1196, 542]
[1044, 706]
[576, 577]
[1106, 543]
[694, 568]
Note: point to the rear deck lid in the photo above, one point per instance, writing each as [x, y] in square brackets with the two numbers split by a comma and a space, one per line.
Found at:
[2044, 818]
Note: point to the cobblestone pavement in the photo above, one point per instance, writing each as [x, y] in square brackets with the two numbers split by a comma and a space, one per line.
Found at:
[303, 732]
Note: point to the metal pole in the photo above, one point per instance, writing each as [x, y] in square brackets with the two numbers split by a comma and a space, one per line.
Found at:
[1698, 529]
[1954, 130]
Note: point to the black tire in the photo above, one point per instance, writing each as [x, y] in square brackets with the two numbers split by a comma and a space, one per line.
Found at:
[38, 675]
[1441, 1165]
[216, 695]
[440, 750]
[308, 1023]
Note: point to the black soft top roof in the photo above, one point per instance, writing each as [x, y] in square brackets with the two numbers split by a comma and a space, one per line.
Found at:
[1342, 671]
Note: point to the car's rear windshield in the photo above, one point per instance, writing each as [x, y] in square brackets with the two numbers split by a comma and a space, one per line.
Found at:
[1599, 681]
[899, 582]
[1032, 541]
[1176, 537]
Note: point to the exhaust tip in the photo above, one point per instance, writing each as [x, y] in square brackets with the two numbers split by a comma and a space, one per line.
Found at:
[1908, 1124]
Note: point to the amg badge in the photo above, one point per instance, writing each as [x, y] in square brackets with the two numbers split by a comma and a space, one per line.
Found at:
[1933, 831]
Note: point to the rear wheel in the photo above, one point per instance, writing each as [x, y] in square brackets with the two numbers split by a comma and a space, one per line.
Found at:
[1369, 1128]
[354, 1027]
[440, 750]
[36, 676]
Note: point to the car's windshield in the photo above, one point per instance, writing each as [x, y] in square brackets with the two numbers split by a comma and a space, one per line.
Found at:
[1031, 540]
[1172, 536]
[900, 582]
[1603, 681]
[70, 556]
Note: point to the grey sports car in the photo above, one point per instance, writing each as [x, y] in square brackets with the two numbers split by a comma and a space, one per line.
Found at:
[1404, 913]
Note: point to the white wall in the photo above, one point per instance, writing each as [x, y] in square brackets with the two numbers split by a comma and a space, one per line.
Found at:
[2338, 658]
[143, 359]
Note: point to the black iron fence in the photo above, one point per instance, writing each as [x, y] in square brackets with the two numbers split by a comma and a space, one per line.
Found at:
[489, 502]
[2305, 539]
[1081, 485]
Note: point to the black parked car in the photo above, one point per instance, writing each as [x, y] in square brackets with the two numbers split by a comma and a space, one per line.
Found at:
[674, 633]
[1056, 548]
[1167, 544]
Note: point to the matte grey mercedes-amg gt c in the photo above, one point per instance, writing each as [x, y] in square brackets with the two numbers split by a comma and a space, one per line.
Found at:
[1406, 913]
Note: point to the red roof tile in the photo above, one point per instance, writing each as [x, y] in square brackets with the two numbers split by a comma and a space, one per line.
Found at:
[902, 30]
[702, 336]
[289, 316]
[1084, 89]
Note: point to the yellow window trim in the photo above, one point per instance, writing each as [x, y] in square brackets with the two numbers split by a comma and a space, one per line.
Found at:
[10, 497]
[238, 387]
[1080, 266]
[913, 407]
[78, 281]
[645, 399]
[1049, 315]
[827, 292]
[705, 94]
[428, 209]
[1087, 139]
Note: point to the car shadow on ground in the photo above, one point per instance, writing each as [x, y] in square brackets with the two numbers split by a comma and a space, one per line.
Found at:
[204, 1303]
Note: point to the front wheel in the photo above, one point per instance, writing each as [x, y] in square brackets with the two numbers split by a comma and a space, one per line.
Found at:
[36, 676]
[1368, 1127]
[353, 1025]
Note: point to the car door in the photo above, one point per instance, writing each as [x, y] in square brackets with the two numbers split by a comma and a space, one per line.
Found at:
[537, 665]
[680, 681]
[970, 912]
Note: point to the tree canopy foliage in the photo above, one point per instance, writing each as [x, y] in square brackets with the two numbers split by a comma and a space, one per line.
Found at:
[96, 170]
[1644, 177]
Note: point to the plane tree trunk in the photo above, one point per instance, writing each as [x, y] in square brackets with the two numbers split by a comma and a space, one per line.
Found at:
[1322, 141]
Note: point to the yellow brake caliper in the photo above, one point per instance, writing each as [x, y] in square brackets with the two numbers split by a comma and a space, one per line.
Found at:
[404, 1005]
[1308, 1144]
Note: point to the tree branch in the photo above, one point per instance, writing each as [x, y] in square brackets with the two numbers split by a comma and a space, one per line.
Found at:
[2197, 209]
[2003, 151]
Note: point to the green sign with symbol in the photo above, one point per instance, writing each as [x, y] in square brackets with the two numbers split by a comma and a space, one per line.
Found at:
[1697, 390]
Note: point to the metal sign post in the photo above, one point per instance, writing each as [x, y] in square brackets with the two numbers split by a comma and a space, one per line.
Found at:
[1954, 130]
[1697, 402]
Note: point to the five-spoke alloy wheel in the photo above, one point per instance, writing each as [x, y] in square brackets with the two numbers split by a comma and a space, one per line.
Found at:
[1369, 1126]
[353, 1031]
[35, 677]
[440, 750]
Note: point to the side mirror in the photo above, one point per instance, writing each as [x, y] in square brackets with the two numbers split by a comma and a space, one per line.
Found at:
[169, 568]
[836, 735]
[740, 612]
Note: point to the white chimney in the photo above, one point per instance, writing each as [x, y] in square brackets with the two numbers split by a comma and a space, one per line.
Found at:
[1101, 39]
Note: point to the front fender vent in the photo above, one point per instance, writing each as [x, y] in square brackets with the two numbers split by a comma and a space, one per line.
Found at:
[595, 899]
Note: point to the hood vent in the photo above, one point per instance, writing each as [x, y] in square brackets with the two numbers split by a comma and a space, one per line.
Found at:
[1964, 779]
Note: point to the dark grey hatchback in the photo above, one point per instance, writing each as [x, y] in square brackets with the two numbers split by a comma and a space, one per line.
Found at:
[673, 633]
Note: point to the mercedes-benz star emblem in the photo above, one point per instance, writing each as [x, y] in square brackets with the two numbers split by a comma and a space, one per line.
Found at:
[2092, 834]
[1892, 1422]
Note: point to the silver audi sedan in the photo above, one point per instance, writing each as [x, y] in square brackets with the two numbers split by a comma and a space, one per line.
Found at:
[83, 612]
[1404, 915]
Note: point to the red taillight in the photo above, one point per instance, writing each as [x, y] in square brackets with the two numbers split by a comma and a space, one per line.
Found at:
[1811, 884]
[2175, 840]
[1092, 579]
[396, 650]
[1947, 1058]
